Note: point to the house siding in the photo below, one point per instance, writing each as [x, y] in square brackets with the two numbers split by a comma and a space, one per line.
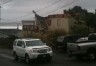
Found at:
[64, 24]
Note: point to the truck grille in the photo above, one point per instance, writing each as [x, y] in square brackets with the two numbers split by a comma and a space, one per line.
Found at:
[42, 50]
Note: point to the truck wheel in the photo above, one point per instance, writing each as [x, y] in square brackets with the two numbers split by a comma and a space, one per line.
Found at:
[27, 60]
[48, 59]
[15, 56]
[91, 55]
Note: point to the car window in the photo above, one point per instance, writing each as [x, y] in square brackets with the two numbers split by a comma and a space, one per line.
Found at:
[60, 38]
[15, 43]
[23, 43]
[69, 38]
[19, 43]
[92, 37]
[34, 43]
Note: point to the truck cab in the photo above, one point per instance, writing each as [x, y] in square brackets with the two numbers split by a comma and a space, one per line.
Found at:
[92, 36]
[63, 40]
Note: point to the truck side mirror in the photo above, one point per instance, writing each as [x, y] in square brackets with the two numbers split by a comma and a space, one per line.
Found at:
[23, 46]
[44, 43]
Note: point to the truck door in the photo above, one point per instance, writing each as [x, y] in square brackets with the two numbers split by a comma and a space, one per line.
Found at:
[18, 48]
[22, 50]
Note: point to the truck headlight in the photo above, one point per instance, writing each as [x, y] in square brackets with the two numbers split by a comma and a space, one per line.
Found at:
[49, 49]
[31, 50]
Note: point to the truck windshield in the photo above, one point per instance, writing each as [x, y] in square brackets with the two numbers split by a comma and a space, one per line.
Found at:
[60, 38]
[92, 37]
[34, 43]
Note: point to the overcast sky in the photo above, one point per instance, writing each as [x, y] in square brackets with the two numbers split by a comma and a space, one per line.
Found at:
[16, 10]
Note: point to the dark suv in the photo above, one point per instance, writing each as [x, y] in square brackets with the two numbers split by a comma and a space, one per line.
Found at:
[92, 36]
[63, 40]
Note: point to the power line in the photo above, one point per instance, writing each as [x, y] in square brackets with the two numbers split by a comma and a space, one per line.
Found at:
[62, 7]
[38, 10]
[49, 5]
[6, 2]
[0, 9]
[1, 6]
[51, 11]
[22, 16]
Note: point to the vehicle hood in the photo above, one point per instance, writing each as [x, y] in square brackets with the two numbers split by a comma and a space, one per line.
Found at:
[37, 47]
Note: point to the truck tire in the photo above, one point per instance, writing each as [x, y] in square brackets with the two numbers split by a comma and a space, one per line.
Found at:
[27, 59]
[48, 59]
[15, 56]
[91, 54]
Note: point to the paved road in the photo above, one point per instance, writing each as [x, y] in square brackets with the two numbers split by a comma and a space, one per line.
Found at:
[59, 59]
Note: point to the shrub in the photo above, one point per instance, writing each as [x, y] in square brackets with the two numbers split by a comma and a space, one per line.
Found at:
[12, 37]
[80, 30]
[6, 43]
[50, 37]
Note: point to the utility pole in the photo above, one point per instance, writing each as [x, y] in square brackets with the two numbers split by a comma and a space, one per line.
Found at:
[0, 16]
[1, 7]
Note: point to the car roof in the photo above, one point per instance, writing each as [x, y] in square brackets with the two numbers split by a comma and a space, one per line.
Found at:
[27, 39]
[92, 34]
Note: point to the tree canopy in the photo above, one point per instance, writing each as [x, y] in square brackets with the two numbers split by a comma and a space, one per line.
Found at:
[83, 16]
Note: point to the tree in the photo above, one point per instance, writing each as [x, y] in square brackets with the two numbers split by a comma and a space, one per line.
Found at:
[12, 37]
[93, 21]
[80, 30]
[83, 17]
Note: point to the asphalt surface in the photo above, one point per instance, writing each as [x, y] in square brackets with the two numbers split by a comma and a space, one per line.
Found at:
[59, 59]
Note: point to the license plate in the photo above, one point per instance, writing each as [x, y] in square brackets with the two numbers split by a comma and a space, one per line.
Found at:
[43, 55]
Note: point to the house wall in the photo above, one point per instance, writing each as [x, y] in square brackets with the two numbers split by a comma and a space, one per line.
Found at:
[28, 27]
[28, 23]
[59, 23]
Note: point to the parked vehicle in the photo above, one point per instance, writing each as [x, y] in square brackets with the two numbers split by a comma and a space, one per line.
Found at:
[31, 49]
[63, 40]
[82, 39]
[83, 48]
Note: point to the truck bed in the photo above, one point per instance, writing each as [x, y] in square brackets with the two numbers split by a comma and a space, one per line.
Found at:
[75, 46]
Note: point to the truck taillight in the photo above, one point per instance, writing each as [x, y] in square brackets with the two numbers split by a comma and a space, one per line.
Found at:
[78, 47]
